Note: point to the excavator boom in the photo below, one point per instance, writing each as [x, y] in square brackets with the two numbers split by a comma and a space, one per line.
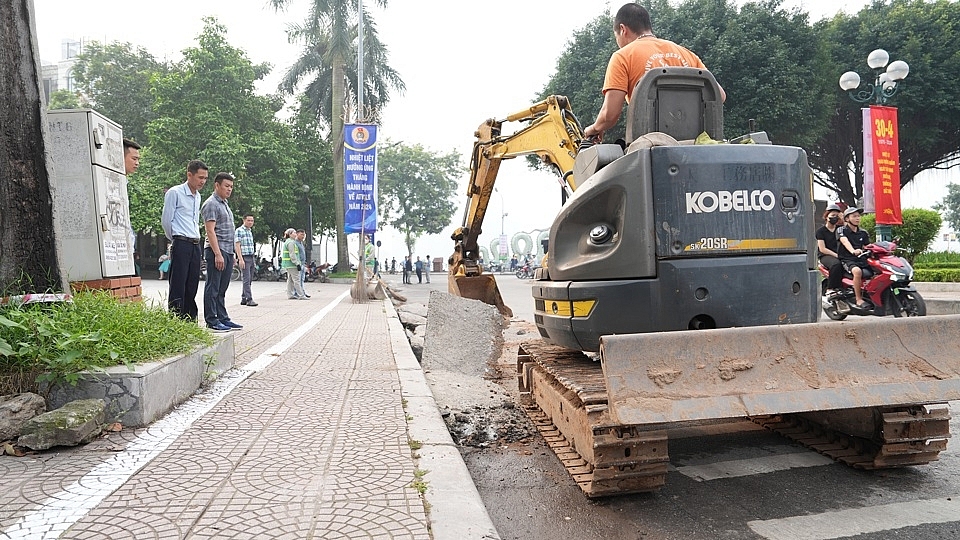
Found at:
[552, 133]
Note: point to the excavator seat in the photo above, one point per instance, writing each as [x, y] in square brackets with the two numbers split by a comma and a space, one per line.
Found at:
[681, 102]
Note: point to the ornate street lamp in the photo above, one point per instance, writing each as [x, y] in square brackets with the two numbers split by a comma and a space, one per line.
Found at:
[885, 85]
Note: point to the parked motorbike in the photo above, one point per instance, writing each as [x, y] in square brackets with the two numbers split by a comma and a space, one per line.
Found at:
[886, 287]
[317, 273]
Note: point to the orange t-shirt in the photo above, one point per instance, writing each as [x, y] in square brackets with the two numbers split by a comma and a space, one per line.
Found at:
[629, 63]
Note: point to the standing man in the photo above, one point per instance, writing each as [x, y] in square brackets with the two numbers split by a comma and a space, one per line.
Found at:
[426, 269]
[302, 255]
[218, 252]
[639, 51]
[180, 218]
[131, 162]
[290, 261]
[419, 266]
[246, 257]
[407, 268]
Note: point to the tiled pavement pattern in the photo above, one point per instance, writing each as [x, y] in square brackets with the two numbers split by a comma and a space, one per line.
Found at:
[314, 445]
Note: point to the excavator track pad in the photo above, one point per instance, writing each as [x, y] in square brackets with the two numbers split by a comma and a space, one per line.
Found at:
[871, 394]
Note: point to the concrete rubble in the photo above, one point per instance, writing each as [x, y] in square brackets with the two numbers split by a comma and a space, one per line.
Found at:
[77, 422]
[16, 410]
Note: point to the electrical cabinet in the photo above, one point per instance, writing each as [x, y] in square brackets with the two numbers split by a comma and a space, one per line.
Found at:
[91, 210]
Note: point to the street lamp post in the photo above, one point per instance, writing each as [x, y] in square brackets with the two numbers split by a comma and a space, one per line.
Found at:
[503, 235]
[309, 228]
[885, 85]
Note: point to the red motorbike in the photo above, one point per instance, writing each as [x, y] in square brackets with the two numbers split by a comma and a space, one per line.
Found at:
[886, 287]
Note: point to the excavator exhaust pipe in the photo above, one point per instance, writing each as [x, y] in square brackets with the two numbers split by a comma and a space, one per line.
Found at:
[482, 287]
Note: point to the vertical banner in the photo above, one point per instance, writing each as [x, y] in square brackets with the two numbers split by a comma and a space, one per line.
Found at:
[869, 200]
[886, 164]
[360, 178]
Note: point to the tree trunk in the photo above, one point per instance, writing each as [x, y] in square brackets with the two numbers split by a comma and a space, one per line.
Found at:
[343, 257]
[28, 254]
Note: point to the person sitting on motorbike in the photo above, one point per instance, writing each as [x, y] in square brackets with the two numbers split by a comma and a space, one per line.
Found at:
[852, 239]
[827, 246]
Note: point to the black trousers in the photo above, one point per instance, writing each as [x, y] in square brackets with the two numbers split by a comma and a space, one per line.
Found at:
[835, 278]
[184, 279]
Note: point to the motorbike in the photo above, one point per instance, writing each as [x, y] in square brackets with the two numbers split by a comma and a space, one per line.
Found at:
[525, 271]
[317, 273]
[886, 287]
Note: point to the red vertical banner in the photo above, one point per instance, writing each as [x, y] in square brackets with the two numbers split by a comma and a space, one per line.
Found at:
[886, 165]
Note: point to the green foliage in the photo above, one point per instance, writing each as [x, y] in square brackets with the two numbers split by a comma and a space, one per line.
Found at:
[416, 188]
[761, 54]
[116, 78]
[95, 331]
[950, 206]
[920, 227]
[938, 258]
[950, 275]
[927, 37]
[64, 99]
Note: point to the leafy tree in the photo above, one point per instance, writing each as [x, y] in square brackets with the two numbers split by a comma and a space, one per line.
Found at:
[950, 206]
[762, 54]
[923, 34]
[330, 35]
[416, 189]
[206, 109]
[116, 79]
[28, 257]
[920, 227]
[64, 99]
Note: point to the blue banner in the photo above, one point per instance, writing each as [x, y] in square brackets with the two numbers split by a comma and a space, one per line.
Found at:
[360, 178]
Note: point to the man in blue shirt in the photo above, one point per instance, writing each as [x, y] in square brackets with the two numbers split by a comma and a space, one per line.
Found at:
[180, 221]
[218, 252]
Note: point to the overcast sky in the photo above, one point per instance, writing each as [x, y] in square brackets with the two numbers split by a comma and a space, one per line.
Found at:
[459, 68]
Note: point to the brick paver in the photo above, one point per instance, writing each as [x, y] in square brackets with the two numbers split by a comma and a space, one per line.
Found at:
[312, 446]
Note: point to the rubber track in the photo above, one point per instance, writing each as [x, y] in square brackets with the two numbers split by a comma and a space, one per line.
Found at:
[643, 468]
[910, 438]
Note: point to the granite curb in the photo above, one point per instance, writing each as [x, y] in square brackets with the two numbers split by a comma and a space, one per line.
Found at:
[456, 510]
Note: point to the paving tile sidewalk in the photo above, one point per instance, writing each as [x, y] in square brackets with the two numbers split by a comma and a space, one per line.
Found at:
[307, 439]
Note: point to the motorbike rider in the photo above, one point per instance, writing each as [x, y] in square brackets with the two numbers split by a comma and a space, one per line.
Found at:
[827, 247]
[852, 239]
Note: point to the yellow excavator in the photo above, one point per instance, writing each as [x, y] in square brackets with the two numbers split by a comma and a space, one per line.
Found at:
[681, 286]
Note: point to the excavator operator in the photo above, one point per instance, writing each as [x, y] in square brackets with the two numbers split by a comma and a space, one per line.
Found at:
[639, 51]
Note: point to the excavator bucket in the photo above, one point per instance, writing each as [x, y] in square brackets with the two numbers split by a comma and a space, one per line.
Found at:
[772, 370]
[482, 287]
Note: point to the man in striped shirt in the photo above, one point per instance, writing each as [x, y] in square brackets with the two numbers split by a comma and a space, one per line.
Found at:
[246, 258]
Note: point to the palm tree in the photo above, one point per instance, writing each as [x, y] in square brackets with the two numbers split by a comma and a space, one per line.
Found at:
[328, 60]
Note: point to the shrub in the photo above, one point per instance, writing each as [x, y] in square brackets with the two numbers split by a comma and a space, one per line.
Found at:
[55, 342]
[937, 274]
[920, 227]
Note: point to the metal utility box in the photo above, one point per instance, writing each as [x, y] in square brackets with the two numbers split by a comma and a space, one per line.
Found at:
[91, 210]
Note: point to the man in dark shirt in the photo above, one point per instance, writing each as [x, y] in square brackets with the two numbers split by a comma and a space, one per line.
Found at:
[852, 239]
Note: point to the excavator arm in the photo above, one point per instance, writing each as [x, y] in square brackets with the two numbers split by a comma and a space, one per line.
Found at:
[553, 133]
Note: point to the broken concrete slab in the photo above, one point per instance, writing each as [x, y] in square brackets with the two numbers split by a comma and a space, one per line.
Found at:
[463, 335]
[411, 319]
[416, 309]
[16, 410]
[77, 422]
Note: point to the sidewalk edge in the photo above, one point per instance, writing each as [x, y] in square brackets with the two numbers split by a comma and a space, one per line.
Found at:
[456, 510]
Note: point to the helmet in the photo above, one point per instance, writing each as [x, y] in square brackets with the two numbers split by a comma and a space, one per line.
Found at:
[852, 210]
[834, 206]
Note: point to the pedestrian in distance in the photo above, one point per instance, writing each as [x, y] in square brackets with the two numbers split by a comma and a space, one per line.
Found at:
[302, 254]
[218, 253]
[419, 267]
[246, 258]
[131, 162]
[426, 269]
[407, 268]
[164, 262]
[290, 261]
[639, 50]
[180, 221]
[393, 265]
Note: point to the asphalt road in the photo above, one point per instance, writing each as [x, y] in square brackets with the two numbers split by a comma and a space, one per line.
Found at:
[727, 481]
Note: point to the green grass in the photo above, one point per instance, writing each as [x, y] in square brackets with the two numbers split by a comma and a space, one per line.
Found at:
[941, 266]
[938, 259]
[55, 342]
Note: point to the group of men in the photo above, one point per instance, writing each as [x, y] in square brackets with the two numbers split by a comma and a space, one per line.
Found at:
[639, 51]
[422, 268]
